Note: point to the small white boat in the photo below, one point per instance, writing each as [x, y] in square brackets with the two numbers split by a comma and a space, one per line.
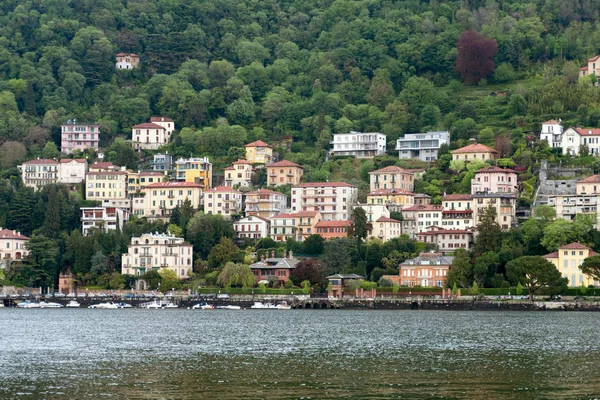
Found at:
[73, 304]
[28, 304]
[229, 307]
[284, 306]
[44, 304]
[124, 305]
[1, 305]
[203, 306]
[109, 305]
[263, 306]
[171, 305]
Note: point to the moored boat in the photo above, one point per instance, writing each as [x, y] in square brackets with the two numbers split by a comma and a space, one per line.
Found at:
[44, 304]
[229, 307]
[109, 305]
[263, 306]
[203, 306]
[73, 304]
[28, 304]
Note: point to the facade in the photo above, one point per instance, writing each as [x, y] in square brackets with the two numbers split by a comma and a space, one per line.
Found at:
[222, 200]
[568, 258]
[359, 145]
[494, 180]
[239, 174]
[422, 199]
[475, 151]
[139, 180]
[252, 227]
[458, 211]
[127, 61]
[333, 229]
[154, 252]
[106, 185]
[574, 138]
[306, 222]
[12, 246]
[395, 199]
[104, 167]
[162, 162]
[284, 173]
[569, 206]
[274, 268]
[374, 211]
[74, 136]
[105, 218]
[283, 227]
[72, 172]
[149, 136]
[334, 200]
[66, 283]
[504, 203]
[40, 172]
[422, 146]
[418, 218]
[157, 200]
[259, 152]
[194, 170]
[589, 185]
[265, 203]
[166, 123]
[428, 270]
[392, 177]
[448, 240]
[385, 228]
[592, 67]
[552, 133]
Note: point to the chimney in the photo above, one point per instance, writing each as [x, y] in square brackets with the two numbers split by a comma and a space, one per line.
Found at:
[291, 254]
[262, 258]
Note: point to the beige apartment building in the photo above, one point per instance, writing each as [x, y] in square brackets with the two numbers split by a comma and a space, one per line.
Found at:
[157, 200]
[154, 252]
[392, 177]
[306, 222]
[259, 152]
[475, 151]
[504, 203]
[106, 185]
[284, 173]
[265, 203]
[222, 200]
[239, 174]
[40, 172]
[334, 200]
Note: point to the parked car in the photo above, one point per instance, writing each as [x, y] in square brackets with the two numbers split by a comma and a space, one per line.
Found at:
[223, 296]
[59, 294]
[81, 295]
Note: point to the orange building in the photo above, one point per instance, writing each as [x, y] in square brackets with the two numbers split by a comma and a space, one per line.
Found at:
[306, 222]
[284, 173]
[333, 229]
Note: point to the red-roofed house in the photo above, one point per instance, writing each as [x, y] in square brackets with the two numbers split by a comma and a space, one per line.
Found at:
[494, 180]
[552, 131]
[152, 135]
[284, 173]
[259, 152]
[475, 151]
[392, 177]
[222, 200]
[239, 174]
[252, 227]
[417, 218]
[334, 200]
[385, 229]
[574, 138]
[333, 229]
[568, 258]
[306, 222]
[593, 67]
[448, 240]
[12, 246]
[127, 61]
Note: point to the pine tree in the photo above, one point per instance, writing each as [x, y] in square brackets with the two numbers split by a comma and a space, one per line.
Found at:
[489, 232]
[51, 226]
[21, 210]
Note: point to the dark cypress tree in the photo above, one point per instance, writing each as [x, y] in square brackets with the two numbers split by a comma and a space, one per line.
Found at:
[21, 211]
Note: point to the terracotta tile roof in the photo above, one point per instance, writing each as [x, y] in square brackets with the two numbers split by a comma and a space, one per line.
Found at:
[284, 216]
[552, 255]
[423, 195]
[258, 143]
[103, 165]
[127, 54]
[263, 191]
[333, 224]
[223, 189]
[160, 119]
[390, 169]
[285, 163]
[253, 216]
[593, 58]
[324, 184]
[424, 207]
[386, 219]
[553, 121]
[583, 68]
[8, 234]
[574, 246]
[173, 184]
[590, 179]
[474, 148]
[41, 161]
[306, 214]
[68, 160]
[240, 161]
[587, 131]
[495, 169]
[147, 125]
[451, 197]
[383, 192]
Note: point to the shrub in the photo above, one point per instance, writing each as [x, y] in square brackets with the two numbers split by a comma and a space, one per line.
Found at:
[385, 282]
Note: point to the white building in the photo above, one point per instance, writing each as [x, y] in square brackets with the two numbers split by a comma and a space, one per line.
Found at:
[573, 138]
[151, 135]
[127, 61]
[334, 200]
[423, 146]
[385, 228]
[418, 218]
[72, 172]
[359, 145]
[222, 200]
[374, 211]
[283, 227]
[40, 172]
[105, 218]
[252, 227]
[12, 246]
[552, 131]
[156, 251]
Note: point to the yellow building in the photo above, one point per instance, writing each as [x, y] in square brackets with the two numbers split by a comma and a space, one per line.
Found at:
[589, 185]
[239, 174]
[475, 151]
[222, 200]
[284, 173]
[194, 170]
[159, 199]
[259, 152]
[106, 185]
[305, 223]
[391, 197]
[265, 203]
[139, 180]
[568, 258]
[385, 229]
[392, 177]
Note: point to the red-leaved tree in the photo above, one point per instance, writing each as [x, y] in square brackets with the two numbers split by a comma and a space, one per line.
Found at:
[475, 56]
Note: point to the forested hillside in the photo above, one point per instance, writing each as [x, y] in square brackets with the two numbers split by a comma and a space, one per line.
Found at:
[233, 71]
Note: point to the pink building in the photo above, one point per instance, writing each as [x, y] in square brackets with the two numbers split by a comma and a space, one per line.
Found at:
[76, 136]
[494, 180]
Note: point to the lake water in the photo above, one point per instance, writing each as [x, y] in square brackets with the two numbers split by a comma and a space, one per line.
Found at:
[318, 354]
